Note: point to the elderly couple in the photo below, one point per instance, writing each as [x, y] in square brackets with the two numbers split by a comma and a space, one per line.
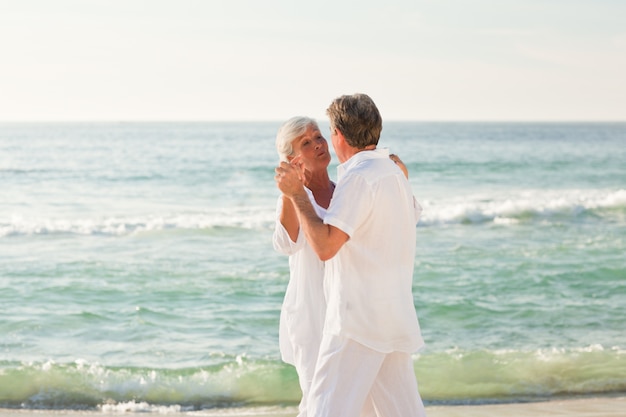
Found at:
[348, 322]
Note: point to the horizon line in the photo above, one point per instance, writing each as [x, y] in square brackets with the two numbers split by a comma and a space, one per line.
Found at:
[166, 121]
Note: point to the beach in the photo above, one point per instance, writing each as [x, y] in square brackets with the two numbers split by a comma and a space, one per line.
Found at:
[589, 407]
[582, 407]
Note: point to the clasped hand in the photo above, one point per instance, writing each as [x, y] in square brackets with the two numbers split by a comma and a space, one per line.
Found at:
[289, 177]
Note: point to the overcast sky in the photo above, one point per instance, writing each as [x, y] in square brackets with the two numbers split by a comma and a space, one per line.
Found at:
[124, 60]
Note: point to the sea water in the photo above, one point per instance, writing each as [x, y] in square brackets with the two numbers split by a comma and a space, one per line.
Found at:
[137, 270]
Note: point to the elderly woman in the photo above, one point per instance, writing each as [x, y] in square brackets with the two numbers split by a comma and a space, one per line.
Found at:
[300, 142]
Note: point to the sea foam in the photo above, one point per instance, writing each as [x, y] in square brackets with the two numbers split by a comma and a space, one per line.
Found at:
[509, 209]
[506, 209]
[241, 218]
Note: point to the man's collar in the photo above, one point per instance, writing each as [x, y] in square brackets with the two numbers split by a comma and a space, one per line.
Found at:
[359, 157]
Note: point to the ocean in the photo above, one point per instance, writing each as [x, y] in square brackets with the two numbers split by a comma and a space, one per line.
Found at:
[137, 271]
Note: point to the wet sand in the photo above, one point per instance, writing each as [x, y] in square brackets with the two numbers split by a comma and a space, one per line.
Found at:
[588, 407]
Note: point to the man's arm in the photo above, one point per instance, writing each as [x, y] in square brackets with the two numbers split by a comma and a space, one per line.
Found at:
[325, 240]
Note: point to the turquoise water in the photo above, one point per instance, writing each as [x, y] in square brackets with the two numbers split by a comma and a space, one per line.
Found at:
[136, 264]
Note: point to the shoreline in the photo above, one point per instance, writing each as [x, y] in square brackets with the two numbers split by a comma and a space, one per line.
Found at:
[602, 406]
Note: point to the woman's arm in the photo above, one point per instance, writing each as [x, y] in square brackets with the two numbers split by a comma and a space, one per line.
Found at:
[395, 158]
[289, 218]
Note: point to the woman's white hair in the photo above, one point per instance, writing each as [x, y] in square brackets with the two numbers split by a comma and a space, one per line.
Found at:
[290, 130]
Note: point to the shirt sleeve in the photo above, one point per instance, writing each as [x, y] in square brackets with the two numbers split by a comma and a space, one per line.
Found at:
[281, 240]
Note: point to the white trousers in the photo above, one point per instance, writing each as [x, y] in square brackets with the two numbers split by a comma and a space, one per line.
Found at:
[352, 380]
[305, 359]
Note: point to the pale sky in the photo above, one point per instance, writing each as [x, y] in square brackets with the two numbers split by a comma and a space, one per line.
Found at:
[206, 60]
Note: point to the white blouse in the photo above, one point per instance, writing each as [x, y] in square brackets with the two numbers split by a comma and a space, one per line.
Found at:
[304, 307]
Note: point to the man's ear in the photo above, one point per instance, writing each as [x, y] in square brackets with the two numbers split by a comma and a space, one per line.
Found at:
[343, 138]
[340, 135]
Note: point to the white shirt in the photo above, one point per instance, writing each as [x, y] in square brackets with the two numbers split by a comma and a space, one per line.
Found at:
[368, 283]
[304, 306]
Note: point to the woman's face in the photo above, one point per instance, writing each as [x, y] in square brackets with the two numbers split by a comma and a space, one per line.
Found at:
[312, 149]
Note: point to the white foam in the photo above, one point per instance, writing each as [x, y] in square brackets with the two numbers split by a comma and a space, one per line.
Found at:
[506, 209]
[510, 209]
[244, 218]
[140, 407]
